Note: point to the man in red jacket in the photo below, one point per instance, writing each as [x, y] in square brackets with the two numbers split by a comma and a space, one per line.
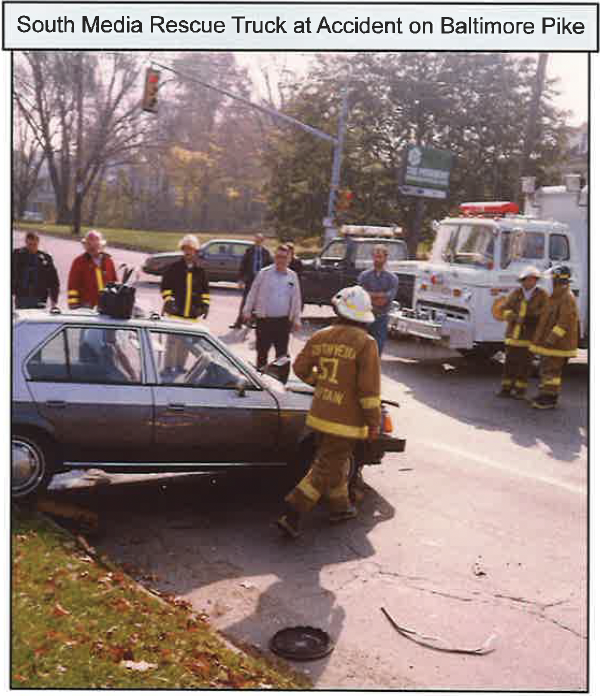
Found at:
[90, 272]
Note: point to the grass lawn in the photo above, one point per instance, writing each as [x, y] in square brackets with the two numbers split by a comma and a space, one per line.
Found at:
[79, 622]
[152, 241]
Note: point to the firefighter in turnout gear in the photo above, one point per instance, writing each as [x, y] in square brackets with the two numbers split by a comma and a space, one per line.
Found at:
[184, 286]
[342, 362]
[521, 311]
[556, 338]
[186, 295]
[90, 272]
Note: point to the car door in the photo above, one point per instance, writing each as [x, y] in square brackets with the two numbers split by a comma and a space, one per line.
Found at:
[216, 261]
[326, 277]
[202, 413]
[89, 383]
[237, 250]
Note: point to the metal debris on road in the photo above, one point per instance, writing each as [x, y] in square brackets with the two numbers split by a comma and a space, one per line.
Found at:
[436, 643]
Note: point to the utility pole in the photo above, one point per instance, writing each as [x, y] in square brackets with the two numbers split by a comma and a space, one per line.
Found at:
[532, 121]
[338, 142]
[336, 169]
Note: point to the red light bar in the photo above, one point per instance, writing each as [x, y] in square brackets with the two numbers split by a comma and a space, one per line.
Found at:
[489, 208]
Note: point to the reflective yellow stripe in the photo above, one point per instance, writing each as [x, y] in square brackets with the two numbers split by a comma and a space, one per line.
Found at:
[553, 353]
[99, 279]
[188, 295]
[325, 426]
[551, 382]
[309, 490]
[523, 309]
[205, 298]
[519, 343]
[370, 402]
[73, 293]
[519, 383]
[559, 331]
[507, 313]
[507, 382]
[167, 293]
[73, 301]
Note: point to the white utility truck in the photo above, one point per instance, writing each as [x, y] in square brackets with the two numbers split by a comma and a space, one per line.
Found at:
[477, 257]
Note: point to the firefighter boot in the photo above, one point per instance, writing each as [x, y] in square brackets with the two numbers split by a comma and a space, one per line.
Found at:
[545, 401]
[289, 522]
[504, 393]
[520, 394]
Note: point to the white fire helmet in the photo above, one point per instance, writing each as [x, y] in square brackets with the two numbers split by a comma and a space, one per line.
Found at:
[189, 240]
[355, 304]
[529, 271]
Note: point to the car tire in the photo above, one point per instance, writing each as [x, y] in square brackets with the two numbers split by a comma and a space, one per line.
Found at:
[33, 463]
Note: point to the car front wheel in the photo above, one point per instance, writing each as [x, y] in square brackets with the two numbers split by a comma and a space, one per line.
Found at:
[32, 464]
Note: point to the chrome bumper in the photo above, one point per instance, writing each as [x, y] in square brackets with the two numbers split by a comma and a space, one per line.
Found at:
[451, 333]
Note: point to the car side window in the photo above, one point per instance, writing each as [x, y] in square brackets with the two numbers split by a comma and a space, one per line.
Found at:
[334, 253]
[559, 247]
[215, 250]
[533, 246]
[49, 363]
[89, 355]
[190, 360]
[238, 250]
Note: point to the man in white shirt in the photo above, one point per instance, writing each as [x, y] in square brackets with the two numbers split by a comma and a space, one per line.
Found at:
[275, 299]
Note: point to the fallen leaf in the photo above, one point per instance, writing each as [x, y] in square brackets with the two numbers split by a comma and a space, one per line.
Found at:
[60, 610]
[142, 666]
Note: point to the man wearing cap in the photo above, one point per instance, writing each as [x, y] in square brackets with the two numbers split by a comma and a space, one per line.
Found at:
[521, 311]
[255, 258]
[342, 362]
[90, 272]
[556, 338]
[34, 275]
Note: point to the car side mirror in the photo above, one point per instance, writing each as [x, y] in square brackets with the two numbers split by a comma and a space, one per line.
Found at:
[241, 387]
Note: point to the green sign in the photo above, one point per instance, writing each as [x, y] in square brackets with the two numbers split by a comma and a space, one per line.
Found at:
[426, 172]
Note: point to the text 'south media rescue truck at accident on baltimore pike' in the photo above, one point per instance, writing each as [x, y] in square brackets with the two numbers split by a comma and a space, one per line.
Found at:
[476, 259]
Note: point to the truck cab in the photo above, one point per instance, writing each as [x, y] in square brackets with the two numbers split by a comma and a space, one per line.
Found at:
[475, 260]
[345, 257]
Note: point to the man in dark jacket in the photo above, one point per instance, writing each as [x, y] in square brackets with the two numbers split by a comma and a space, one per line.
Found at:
[34, 275]
[186, 295]
[255, 258]
[184, 287]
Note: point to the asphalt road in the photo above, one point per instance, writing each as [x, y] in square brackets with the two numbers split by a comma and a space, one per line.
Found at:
[478, 530]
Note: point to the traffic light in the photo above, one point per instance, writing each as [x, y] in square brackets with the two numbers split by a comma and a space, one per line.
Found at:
[150, 98]
[344, 199]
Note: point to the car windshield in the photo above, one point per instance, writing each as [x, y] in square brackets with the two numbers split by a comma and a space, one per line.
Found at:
[469, 244]
[518, 244]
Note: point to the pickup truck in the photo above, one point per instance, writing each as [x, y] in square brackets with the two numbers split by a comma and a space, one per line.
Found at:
[341, 262]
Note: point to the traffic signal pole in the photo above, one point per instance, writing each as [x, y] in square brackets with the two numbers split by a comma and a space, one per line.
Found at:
[338, 142]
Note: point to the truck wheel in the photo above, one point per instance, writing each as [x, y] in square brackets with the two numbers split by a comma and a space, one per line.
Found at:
[33, 463]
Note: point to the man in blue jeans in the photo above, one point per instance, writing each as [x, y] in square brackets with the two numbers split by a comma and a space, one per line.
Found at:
[382, 286]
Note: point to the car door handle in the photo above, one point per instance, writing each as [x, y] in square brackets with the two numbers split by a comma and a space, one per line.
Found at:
[56, 404]
[176, 407]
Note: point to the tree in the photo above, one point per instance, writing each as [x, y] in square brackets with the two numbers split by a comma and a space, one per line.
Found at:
[27, 160]
[474, 105]
[83, 110]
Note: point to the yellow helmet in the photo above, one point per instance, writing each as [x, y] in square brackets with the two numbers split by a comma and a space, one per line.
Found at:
[354, 303]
